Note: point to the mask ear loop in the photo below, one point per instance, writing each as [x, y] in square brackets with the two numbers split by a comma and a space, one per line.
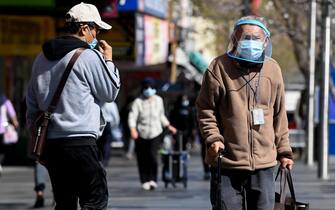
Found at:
[89, 30]
[82, 26]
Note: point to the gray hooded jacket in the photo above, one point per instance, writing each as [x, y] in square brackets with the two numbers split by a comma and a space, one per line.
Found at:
[91, 83]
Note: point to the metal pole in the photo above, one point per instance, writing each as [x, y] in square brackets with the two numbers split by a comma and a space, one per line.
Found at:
[311, 89]
[246, 9]
[323, 171]
[173, 74]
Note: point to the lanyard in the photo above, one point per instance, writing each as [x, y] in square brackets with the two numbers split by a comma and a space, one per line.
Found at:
[256, 90]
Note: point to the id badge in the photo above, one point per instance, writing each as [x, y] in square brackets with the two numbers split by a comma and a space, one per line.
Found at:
[258, 116]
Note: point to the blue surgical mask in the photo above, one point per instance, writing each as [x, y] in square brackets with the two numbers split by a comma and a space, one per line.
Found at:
[149, 92]
[250, 49]
[94, 41]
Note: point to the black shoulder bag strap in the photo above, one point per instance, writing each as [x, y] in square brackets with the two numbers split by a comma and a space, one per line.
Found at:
[59, 90]
[41, 133]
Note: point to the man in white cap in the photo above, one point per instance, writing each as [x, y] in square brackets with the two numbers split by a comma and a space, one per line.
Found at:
[70, 153]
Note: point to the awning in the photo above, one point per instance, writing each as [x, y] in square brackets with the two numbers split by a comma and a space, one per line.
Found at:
[190, 71]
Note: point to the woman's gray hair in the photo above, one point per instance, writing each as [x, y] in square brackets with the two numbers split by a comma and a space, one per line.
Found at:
[253, 17]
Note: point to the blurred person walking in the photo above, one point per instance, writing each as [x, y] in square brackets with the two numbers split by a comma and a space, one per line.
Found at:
[71, 155]
[182, 118]
[40, 172]
[125, 128]
[111, 114]
[8, 124]
[40, 176]
[241, 109]
[146, 121]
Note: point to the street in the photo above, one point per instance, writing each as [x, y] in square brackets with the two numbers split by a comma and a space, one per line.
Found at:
[16, 188]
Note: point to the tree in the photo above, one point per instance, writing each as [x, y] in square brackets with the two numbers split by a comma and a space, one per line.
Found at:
[287, 19]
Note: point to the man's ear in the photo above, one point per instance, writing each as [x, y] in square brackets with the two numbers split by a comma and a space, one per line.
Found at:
[83, 30]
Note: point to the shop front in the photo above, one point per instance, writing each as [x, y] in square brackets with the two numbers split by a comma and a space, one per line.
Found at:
[21, 38]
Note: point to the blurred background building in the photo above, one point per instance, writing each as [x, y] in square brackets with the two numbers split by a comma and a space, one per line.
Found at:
[142, 35]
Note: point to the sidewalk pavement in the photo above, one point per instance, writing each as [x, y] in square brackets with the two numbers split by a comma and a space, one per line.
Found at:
[16, 188]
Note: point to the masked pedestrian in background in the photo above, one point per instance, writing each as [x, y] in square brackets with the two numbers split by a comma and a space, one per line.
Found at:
[146, 121]
[8, 120]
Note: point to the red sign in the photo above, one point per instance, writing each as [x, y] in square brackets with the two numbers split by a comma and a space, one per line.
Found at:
[254, 6]
[110, 9]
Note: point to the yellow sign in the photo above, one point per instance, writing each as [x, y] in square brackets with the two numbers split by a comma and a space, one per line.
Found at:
[24, 35]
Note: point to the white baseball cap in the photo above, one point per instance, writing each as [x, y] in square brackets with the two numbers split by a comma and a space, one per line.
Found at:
[86, 13]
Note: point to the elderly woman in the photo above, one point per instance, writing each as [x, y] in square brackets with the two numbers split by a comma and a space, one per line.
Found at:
[146, 121]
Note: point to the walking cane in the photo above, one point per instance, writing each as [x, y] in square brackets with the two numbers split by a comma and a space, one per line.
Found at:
[218, 199]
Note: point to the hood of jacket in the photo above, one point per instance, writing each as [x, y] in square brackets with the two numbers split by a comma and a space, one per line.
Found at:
[57, 48]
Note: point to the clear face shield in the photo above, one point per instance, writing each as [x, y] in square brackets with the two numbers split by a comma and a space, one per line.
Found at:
[250, 42]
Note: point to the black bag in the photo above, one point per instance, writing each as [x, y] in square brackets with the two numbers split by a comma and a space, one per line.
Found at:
[287, 203]
[40, 127]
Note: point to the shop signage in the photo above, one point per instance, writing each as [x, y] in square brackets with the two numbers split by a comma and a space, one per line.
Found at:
[158, 8]
[24, 35]
[156, 40]
[121, 37]
[28, 3]
[110, 9]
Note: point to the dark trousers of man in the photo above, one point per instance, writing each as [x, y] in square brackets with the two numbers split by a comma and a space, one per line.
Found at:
[146, 153]
[76, 172]
[244, 190]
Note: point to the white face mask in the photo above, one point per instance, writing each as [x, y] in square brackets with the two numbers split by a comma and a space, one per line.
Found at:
[149, 92]
[185, 103]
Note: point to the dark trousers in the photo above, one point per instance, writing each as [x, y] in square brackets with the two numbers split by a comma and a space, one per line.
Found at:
[76, 172]
[2, 149]
[244, 190]
[146, 152]
[5, 149]
[104, 143]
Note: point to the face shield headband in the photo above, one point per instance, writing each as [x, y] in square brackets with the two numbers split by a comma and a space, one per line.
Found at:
[248, 48]
[252, 22]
